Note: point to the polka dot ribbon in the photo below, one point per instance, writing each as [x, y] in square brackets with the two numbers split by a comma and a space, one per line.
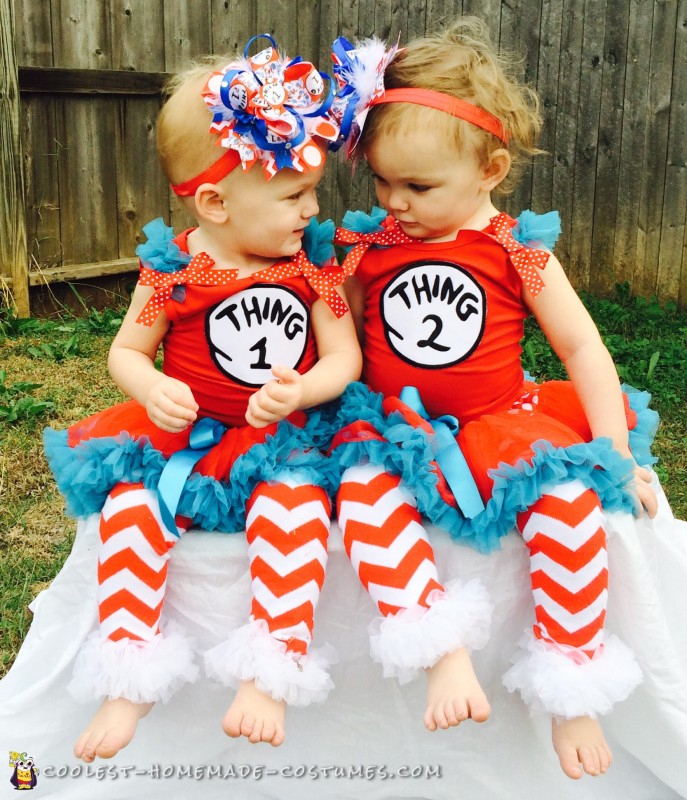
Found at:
[200, 272]
[197, 271]
[391, 235]
[324, 282]
[523, 258]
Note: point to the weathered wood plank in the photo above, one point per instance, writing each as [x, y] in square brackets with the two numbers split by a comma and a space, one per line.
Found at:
[548, 75]
[137, 44]
[38, 135]
[33, 35]
[279, 19]
[79, 272]
[602, 257]
[233, 23]
[566, 130]
[672, 260]
[488, 10]
[633, 140]
[308, 33]
[142, 191]
[82, 35]
[86, 130]
[41, 148]
[13, 253]
[653, 175]
[520, 24]
[441, 13]
[586, 144]
[187, 32]
[54, 80]
[88, 179]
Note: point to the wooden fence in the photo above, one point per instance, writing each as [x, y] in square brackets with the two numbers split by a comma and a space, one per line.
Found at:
[79, 176]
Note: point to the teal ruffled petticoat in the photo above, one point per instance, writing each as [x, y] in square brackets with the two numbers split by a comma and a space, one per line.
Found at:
[405, 450]
[87, 471]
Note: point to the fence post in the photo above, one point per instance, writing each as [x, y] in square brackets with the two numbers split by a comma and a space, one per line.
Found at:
[13, 246]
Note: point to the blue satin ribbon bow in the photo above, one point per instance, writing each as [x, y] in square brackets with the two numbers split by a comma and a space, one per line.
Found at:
[343, 63]
[448, 455]
[205, 434]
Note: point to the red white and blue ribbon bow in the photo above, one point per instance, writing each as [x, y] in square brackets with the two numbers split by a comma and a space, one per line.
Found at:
[359, 72]
[269, 109]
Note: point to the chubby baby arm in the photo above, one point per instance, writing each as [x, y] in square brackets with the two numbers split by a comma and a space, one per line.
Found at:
[340, 362]
[574, 336]
[169, 402]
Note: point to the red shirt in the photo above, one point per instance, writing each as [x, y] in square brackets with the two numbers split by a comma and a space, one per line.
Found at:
[446, 318]
[223, 340]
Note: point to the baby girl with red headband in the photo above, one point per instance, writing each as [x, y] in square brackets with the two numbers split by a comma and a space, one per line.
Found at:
[452, 429]
[252, 333]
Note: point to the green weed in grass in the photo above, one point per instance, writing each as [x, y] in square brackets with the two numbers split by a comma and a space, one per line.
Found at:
[17, 402]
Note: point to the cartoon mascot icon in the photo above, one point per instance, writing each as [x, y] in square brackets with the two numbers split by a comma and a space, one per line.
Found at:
[25, 775]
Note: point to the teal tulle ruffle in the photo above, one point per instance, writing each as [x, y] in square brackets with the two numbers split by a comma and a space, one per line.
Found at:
[160, 252]
[360, 222]
[642, 435]
[532, 229]
[407, 451]
[537, 230]
[86, 474]
[317, 241]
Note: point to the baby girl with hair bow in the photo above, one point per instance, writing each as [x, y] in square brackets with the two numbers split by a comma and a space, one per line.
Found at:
[443, 282]
[252, 334]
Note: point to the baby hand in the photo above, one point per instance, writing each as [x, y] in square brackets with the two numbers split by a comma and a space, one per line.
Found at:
[646, 495]
[277, 399]
[170, 405]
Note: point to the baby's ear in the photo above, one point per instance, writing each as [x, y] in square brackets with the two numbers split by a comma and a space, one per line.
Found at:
[210, 204]
[495, 169]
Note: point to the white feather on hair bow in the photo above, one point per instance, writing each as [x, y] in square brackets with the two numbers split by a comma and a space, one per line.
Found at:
[359, 72]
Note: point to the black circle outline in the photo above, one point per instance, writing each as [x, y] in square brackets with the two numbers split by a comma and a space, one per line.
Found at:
[427, 263]
[255, 286]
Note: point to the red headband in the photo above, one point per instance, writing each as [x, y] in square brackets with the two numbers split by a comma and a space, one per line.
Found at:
[214, 173]
[446, 102]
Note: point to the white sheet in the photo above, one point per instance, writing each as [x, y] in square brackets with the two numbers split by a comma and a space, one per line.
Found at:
[369, 733]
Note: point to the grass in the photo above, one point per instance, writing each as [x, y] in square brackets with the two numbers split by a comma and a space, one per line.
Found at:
[40, 386]
[54, 373]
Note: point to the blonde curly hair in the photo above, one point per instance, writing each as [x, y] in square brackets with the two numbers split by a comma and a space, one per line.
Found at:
[460, 61]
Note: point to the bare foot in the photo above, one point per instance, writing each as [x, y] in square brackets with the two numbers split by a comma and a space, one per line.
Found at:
[581, 741]
[454, 693]
[256, 716]
[111, 729]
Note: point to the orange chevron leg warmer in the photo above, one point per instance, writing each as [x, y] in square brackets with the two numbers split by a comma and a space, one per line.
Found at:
[388, 547]
[129, 656]
[287, 526]
[569, 669]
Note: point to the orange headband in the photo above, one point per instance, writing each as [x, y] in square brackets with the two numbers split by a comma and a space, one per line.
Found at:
[214, 173]
[446, 102]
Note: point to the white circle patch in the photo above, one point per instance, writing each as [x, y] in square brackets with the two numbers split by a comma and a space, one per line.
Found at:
[433, 314]
[256, 329]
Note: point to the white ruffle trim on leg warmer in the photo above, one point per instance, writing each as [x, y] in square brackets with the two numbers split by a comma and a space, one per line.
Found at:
[551, 682]
[418, 637]
[252, 653]
[142, 672]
